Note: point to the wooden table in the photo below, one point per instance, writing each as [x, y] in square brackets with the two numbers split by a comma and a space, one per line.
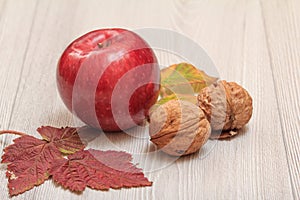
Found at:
[253, 42]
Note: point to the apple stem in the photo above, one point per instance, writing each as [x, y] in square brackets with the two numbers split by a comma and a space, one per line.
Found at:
[100, 45]
[12, 132]
[104, 44]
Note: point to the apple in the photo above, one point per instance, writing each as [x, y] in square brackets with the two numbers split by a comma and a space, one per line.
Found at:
[109, 78]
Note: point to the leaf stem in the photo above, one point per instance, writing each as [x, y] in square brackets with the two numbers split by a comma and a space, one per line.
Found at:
[12, 132]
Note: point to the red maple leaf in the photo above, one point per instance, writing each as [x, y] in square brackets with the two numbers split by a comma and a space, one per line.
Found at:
[98, 170]
[29, 159]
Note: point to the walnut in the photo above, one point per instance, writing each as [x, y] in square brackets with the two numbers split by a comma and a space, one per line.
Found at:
[227, 105]
[179, 128]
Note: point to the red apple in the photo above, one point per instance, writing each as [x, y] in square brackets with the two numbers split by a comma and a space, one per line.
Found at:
[109, 78]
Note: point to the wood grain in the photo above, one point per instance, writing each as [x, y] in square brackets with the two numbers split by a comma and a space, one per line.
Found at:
[253, 42]
[283, 40]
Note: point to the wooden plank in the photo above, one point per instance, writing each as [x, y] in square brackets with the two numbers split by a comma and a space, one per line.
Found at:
[12, 52]
[282, 25]
[254, 165]
[15, 35]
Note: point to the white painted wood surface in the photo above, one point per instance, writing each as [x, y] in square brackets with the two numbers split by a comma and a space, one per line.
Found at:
[253, 42]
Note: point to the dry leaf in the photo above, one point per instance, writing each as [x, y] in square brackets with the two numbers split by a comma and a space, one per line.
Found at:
[99, 170]
[183, 97]
[183, 78]
[223, 135]
[67, 140]
[29, 159]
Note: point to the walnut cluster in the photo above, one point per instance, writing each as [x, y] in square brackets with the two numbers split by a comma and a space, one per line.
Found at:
[181, 128]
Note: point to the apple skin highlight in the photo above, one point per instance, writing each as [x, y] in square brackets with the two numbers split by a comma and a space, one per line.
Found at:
[109, 78]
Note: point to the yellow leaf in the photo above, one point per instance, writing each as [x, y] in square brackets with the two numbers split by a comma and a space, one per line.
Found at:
[184, 97]
[183, 78]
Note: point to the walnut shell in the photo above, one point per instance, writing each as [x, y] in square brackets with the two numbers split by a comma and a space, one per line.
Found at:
[226, 105]
[179, 128]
